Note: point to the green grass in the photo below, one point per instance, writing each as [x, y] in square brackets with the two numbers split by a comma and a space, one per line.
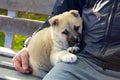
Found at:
[19, 39]
[2, 36]
[3, 12]
[27, 15]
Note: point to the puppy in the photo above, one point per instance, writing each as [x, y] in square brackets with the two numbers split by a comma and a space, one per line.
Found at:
[55, 43]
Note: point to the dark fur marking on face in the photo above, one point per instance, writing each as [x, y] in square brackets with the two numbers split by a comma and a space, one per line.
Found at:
[76, 28]
[55, 22]
[65, 32]
[75, 14]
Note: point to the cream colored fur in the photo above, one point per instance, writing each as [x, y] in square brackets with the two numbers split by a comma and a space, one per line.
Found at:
[49, 46]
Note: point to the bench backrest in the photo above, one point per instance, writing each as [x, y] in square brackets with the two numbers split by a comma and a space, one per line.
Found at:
[11, 25]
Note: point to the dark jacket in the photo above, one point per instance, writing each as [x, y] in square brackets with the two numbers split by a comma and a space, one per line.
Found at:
[101, 28]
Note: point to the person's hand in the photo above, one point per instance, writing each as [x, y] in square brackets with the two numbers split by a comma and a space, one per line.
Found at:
[21, 61]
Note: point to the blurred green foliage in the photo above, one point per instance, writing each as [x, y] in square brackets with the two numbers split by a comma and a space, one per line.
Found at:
[2, 36]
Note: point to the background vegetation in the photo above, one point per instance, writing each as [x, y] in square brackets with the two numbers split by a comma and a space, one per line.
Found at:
[19, 39]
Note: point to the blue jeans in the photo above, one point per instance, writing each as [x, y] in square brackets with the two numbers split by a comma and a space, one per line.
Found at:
[83, 69]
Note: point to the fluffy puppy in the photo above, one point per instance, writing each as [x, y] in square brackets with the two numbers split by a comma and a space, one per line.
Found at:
[54, 44]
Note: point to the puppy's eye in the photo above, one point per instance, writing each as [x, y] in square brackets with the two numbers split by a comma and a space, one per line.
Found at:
[65, 32]
[76, 28]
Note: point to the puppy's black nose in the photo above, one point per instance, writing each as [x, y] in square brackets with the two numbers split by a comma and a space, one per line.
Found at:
[76, 40]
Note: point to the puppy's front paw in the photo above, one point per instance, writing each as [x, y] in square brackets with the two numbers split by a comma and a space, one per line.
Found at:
[73, 49]
[69, 58]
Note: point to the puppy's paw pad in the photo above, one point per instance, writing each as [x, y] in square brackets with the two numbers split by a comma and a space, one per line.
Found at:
[73, 49]
[69, 58]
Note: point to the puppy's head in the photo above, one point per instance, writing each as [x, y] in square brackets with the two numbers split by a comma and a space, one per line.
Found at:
[67, 27]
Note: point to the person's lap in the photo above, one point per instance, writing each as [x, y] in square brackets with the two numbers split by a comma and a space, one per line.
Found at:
[81, 70]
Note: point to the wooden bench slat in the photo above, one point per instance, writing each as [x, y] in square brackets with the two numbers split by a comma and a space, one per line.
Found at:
[18, 25]
[7, 52]
[6, 56]
[35, 6]
[14, 75]
[6, 62]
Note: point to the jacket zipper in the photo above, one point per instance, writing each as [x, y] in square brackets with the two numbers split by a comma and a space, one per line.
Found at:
[108, 31]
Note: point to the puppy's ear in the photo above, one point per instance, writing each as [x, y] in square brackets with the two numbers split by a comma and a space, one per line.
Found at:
[54, 22]
[75, 13]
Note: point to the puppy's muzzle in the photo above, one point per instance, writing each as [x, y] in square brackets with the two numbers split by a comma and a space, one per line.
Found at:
[75, 40]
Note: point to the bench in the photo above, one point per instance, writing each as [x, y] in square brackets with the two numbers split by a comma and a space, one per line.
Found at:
[12, 25]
